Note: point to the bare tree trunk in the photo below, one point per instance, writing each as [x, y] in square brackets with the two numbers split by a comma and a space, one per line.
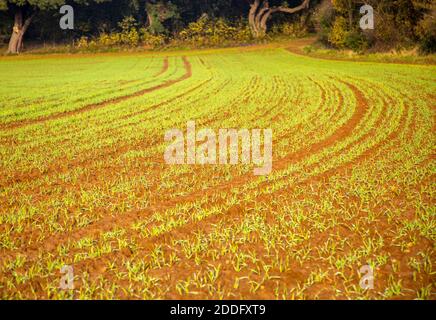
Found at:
[14, 42]
[19, 29]
[261, 19]
[150, 21]
[252, 18]
[350, 15]
[260, 12]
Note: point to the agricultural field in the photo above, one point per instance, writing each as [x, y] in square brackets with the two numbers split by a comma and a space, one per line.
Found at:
[84, 183]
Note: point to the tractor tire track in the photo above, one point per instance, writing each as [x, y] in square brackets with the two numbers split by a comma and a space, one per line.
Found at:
[164, 68]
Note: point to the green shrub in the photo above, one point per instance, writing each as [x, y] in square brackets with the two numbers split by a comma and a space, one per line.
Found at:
[129, 37]
[209, 33]
[296, 29]
[356, 41]
[82, 43]
[204, 32]
[340, 37]
[127, 24]
[428, 44]
[151, 40]
[339, 32]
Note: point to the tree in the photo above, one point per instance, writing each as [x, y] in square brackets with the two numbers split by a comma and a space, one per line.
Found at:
[157, 13]
[346, 8]
[261, 11]
[400, 22]
[23, 13]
